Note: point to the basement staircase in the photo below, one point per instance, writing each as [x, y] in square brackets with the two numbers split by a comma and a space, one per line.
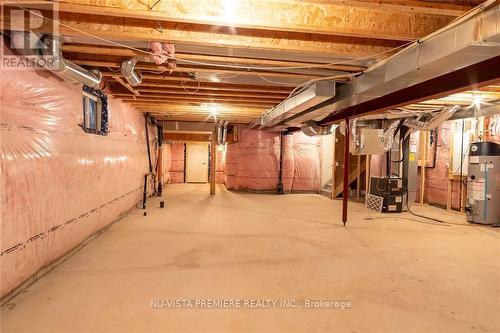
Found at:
[353, 175]
[327, 190]
[357, 168]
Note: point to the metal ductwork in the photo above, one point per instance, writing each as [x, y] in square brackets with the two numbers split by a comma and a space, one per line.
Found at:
[370, 137]
[316, 93]
[469, 40]
[133, 77]
[55, 62]
[222, 132]
[434, 121]
[187, 127]
[312, 128]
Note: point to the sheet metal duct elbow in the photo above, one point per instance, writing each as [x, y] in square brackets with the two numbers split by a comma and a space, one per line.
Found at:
[56, 63]
[133, 77]
[224, 131]
[435, 120]
[312, 128]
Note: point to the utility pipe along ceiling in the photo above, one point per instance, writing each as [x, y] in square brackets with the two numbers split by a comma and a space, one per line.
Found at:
[235, 61]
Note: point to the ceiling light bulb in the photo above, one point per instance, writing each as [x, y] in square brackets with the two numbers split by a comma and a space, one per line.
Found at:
[214, 78]
[478, 99]
[230, 7]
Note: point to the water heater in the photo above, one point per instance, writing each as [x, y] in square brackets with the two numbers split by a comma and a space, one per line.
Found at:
[483, 183]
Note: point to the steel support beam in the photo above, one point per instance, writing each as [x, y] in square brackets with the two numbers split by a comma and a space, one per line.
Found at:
[470, 78]
[345, 191]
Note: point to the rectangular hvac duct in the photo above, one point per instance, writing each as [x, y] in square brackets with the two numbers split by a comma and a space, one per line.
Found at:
[469, 40]
[318, 92]
[187, 127]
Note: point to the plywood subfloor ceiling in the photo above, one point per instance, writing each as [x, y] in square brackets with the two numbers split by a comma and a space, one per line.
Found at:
[266, 36]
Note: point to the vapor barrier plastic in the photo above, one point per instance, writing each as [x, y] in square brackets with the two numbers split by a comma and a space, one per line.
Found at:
[177, 157]
[167, 162]
[177, 166]
[220, 176]
[253, 162]
[60, 184]
[306, 154]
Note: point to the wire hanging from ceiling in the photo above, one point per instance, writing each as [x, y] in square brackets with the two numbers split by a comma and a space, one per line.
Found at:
[194, 62]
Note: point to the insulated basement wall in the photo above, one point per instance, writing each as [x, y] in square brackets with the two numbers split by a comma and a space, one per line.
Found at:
[60, 184]
[220, 176]
[176, 170]
[436, 181]
[253, 162]
[177, 164]
[167, 162]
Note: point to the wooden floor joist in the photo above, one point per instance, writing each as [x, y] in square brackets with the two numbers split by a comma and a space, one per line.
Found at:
[97, 50]
[264, 48]
[326, 18]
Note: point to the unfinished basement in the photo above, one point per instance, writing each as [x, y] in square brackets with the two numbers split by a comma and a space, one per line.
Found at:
[250, 166]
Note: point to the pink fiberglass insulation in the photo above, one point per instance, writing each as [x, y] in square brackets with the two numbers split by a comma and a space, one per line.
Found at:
[306, 155]
[436, 179]
[60, 184]
[167, 162]
[253, 162]
[220, 176]
[177, 166]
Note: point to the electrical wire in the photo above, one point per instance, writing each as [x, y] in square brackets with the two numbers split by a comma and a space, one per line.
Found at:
[439, 222]
[114, 70]
[194, 62]
[275, 82]
[222, 79]
[304, 85]
[190, 92]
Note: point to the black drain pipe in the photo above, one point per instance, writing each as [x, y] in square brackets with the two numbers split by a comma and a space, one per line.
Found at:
[145, 192]
[160, 163]
[280, 177]
[147, 143]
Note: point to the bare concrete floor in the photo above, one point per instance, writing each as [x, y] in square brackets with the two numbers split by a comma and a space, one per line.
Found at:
[401, 274]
